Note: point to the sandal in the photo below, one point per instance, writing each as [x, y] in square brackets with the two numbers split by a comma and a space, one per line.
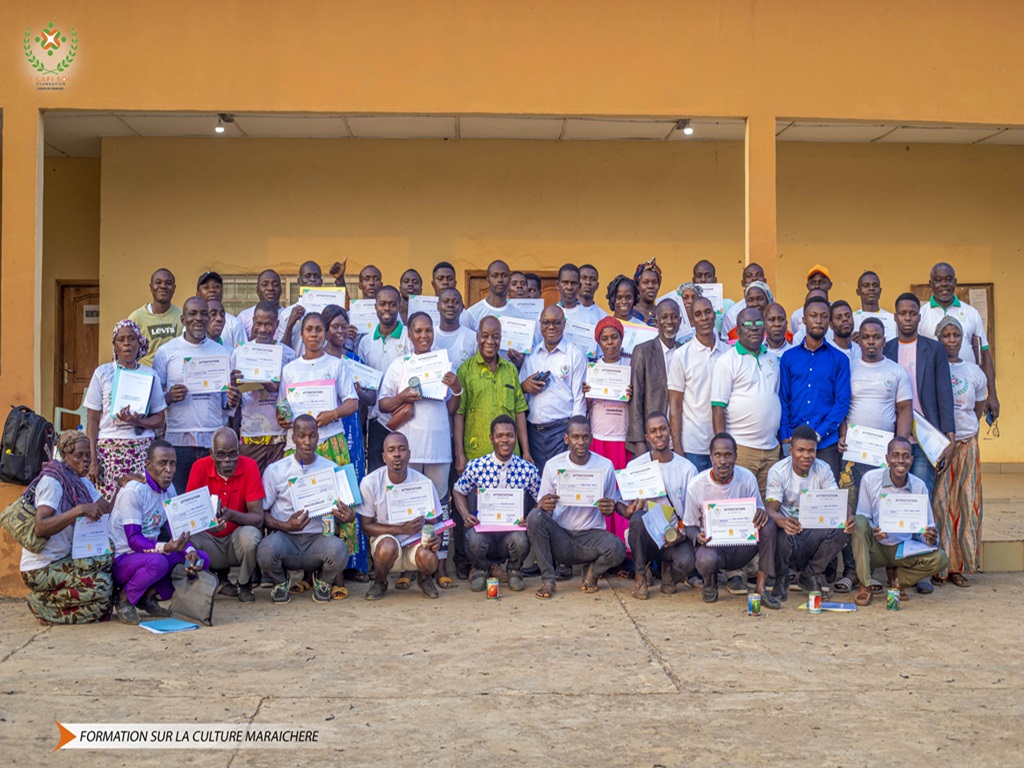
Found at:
[403, 582]
[844, 585]
[445, 582]
[622, 573]
[589, 584]
[876, 586]
[546, 590]
[959, 580]
[863, 596]
[299, 587]
[339, 593]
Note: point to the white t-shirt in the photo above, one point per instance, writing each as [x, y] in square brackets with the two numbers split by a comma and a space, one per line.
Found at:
[906, 356]
[374, 489]
[853, 353]
[471, 319]
[429, 430]
[578, 518]
[968, 317]
[590, 315]
[58, 546]
[786, 346]
[691, 373]
[245, 318]
[259, 407]
[970, 386]
[137, 504]
[785, 485]
[277, 489]
[323, 368]
[747, 386]
[609, 418]
[101, 391]
[192, 421]
[887, 318]
[562, 396]
[875, 389]
[460, 343]
[703, 488]
[676, 475]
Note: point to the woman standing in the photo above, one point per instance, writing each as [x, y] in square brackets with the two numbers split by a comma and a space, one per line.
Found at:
[118, 442]
[958, 495]
[648, 284]
[316, 366]
[622, 298]
[64, 590]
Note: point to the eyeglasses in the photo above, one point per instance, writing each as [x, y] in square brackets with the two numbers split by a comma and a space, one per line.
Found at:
[753, 323]
[552, 323]
[993, 431]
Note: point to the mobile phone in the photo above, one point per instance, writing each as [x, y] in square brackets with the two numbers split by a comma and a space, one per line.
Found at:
[990, 419]
[543, 376]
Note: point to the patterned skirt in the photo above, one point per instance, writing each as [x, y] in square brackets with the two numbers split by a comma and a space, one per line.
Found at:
[615, 451]
[958, 508]
[118, 458]
[71, 591]
[336, 449]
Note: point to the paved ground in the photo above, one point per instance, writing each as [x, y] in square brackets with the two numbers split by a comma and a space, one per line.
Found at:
[581, 680]
[1004, 507]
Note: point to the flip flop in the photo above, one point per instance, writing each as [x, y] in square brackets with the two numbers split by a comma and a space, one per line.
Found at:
[589, 584]
[338, 593]
[445, 582]
[843, 586]
[863, 597]
[403, 582]
[545, 591]
[299, 587]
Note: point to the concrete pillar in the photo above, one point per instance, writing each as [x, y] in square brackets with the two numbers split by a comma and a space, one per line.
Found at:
[759, 165]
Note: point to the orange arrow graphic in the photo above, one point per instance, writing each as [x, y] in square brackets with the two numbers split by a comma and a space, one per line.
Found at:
[66, 736]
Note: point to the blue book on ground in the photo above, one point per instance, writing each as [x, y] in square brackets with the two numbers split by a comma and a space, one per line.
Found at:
[167, 626]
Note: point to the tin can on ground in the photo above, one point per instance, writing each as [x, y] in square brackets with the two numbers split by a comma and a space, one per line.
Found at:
[414, 385]
[285, 410]
[753, 605]
[814, 602]
[328, 523]
[892, 600]
[427, 533]
[492, 589]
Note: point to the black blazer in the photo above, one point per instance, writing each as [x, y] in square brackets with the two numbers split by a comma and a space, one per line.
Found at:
[934, 385]
[649, 380]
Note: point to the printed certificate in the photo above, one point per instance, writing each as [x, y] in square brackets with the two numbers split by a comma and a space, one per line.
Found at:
[429, 368]
[582, 335]
[823, 509]
[607, 381]
[190, 512]
[362, 314]
[317, 492]
[932, 441]
[204, 375]
[728, 522]
[713, 293]
[91, 539]
[313, 397]
[500, 509]
[259, 363]
[131, 389]
[426, 304]
[636, 334]
[528, 308]
[314, 299]
[642, 482]
[865, 445]
[903, 513]
[517, 333]
[409, 501]
[580, 487]
[363, 375]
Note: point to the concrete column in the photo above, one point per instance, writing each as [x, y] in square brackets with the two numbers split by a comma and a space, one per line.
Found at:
[21, 257]
[759, 164]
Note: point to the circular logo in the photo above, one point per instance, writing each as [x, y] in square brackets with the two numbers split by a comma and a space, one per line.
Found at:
[42, 50]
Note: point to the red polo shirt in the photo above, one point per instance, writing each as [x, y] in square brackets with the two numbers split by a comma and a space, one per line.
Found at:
[234, 493]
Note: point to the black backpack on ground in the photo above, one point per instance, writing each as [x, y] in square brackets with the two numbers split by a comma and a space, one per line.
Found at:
[26, 445]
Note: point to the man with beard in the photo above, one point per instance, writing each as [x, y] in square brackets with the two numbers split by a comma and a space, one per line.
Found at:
[649, 365]
[841, 325]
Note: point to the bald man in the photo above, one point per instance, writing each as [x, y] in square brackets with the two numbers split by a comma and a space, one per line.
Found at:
[649, 366]
[235, 481]
[160, 320]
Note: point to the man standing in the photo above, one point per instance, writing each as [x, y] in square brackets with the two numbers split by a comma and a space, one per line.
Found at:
[410, 284]
[745, 398]
[533, 285]
[648, 375]
[518, 286]
[776, 330]
[689, 387]
[974, 347]
[396, 543]
[442, 278]
[818, 279]
[872, 547]
[457, 339]
[725, 480]
[496, 301]
[869, 289]
[587, 283]
[211, 288]
[841, 325]
[235, 481]
[369, 281]
[814, 387]
[192, 418]
[807, 551]
[575, 534]
[160, 320]
[752, 273]
[676, 556]
[268, 288]
[499, 469]
[704, 273]
[295, 540]
[552, 380]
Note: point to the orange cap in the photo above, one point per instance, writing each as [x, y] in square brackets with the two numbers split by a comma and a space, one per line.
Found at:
[818, 268]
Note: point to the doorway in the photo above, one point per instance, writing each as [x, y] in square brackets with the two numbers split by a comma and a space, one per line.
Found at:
[76, 348]
[476, 285]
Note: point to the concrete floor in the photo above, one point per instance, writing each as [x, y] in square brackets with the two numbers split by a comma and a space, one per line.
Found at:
[580, 680]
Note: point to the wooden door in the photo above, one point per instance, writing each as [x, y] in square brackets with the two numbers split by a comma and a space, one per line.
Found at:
[77, 347]
[477, 287]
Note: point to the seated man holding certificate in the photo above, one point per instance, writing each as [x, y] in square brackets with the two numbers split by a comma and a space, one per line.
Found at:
[142, 563]
[812, 527]
[726, 520]
[301, 507]
[577, 492]
[894, 525]
[656, 532]
[500, 516]
[396, 504]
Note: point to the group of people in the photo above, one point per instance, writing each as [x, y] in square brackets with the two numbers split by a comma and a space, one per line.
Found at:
[731, 401]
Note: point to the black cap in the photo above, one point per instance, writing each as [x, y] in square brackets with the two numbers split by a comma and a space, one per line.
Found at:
[207, 275]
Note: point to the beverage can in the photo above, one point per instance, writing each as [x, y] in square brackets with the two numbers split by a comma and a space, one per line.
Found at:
[328, 523]
[814, 602]
[414, 385]
[492, 589]
[892, 600]
[427, 533]
[285, 410]
[753, 605]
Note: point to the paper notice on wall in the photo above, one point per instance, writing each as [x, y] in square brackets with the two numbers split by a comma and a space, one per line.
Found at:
[90, 314]
[978, 298]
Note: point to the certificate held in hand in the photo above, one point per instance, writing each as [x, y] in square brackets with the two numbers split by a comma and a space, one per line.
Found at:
[903, 513]
[259, 363]
[607, 382]
[517, 333]
[728, 522]
[362, 315]
[204, 375]
[642, 482]
[191, 512]
[131, 389]
[867, 446]
[316, 493]
[823, 509]
[91, 539]
[499, 510]
[580, 487]
[409, 501]
[313, 397]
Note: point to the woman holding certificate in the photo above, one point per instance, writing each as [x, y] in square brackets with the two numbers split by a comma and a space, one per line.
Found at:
[66, 586]
[125, 405]
[319, 385]
[958, 490]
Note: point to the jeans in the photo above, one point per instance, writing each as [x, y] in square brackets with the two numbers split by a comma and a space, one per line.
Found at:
[186, 456]
[281, 552]
[701, 461]
[375, 434]
[599, 548]
[679, 557]
[546, 440]
[923, 469]
[487, 549]
[811, 550]
[710, 560]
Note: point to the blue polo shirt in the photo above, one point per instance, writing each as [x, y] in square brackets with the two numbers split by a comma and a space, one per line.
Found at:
[814, 389]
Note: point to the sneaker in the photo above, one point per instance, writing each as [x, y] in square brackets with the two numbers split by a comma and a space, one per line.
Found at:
[321, 591]
[808, 583]
[695, 582]
[151, 605]
[925, 586]
[377, 589]
[710, 592]
[768, 600]
[228, 588]
[736, 586]
[279, 592]
[429, 588]
[478, 583]
[781, 588]
[515, 581]
[127, 612]
[563, 572]
[245, 594]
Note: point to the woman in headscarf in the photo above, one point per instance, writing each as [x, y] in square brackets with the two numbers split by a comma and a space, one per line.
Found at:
[64, 590]
[119, 440]
[757, 295]
[622, 297]
[958, 488]
[686, 292]
[648, 283]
